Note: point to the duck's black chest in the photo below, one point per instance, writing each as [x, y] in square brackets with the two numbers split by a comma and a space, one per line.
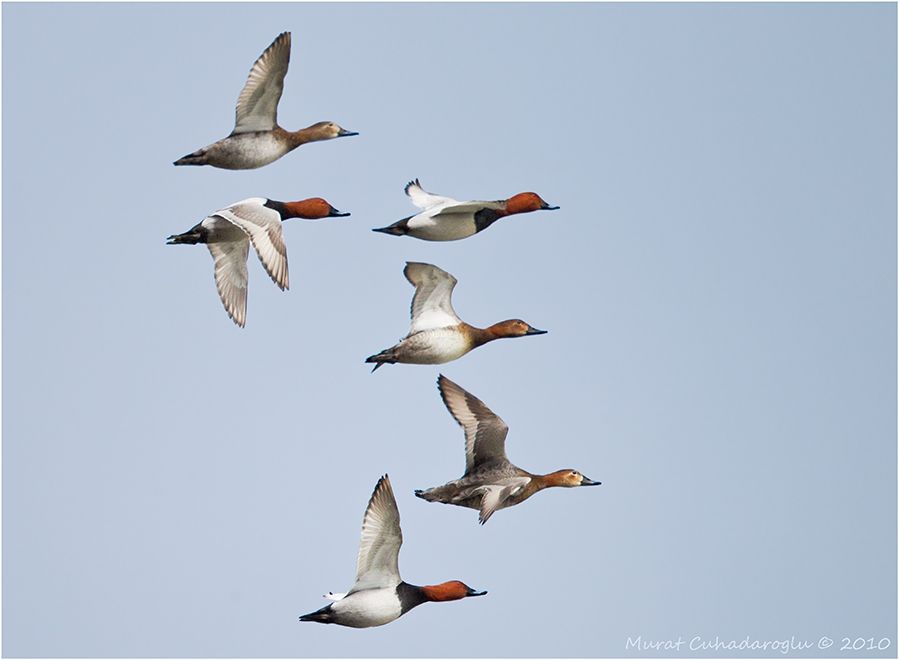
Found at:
[484, 218]
[409, 596]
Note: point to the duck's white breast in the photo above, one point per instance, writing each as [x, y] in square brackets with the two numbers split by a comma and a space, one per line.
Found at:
[435, 346]
[247, 150]
[371, 607]
[450, 227]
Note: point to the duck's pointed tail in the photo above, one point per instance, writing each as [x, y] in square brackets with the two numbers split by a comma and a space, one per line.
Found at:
[324, 615]
[428, 495]
[196, 158]
[191, 237]
[386, 356]
[398, 228]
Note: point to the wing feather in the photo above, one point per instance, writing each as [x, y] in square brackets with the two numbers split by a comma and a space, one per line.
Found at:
[432, 305]
[495, 496]
[379, 549]
[231, 277]
[469, 208]
[257, 105]
[485, 431]
[263, 227]
[423, 199]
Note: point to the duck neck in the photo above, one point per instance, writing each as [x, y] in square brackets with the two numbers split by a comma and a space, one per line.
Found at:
[280, 207]
[541, 481]
[504, 211]
[481, 336]
[496, 331]
[309, 134]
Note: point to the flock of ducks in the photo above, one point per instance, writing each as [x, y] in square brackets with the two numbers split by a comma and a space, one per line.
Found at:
[436, 335]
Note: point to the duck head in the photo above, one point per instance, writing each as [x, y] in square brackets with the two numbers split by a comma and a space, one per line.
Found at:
[570, 479]
[312, 209]
[452, 590]
[328, 130]
[526, 202]
[513, 328]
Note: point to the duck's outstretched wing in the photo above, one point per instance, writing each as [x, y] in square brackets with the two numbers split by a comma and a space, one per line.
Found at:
[423, 199]
[379, 549]
[263, 226]
[496, 495]
[231, 277]
[432, 305]
[469, 207]
[257, 105]
[485, 431]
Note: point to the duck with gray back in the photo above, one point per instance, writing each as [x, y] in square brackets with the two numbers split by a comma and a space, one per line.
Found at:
[445, 219]
[490, 482]
[257, 139]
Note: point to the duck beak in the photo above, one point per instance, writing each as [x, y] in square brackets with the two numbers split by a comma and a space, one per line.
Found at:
[547, 207]
[472, 592]
[345, 133]
[589, 482]
[334, 213]
[535, 331]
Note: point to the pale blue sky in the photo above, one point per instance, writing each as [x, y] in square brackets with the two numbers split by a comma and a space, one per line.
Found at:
[719, 288]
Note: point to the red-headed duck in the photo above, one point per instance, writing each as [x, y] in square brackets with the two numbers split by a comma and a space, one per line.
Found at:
[228, 233]
[257, 139]
[380, 595]
[490, 482]
[445, 219]
[437, 335]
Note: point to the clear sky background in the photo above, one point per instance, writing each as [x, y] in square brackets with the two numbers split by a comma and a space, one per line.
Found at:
[719, 288]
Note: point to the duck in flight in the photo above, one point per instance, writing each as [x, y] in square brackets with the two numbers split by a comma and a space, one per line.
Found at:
[228, 233]
[490, 482]
[446, 219]
[437, 334]
[257, 139]
[380, 595]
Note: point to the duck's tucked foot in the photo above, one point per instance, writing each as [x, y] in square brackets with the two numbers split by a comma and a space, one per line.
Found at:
[323, 615]
[384, 357]
[196, 158]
